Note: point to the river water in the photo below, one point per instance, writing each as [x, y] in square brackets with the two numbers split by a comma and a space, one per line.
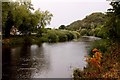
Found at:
[49, 60]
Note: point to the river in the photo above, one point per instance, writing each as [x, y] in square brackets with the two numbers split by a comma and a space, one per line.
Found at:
[49, 60]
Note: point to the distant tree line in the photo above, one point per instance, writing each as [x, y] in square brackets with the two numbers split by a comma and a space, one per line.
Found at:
[105, 25]
[91, 25]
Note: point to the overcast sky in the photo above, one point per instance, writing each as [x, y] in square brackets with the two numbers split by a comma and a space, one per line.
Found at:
[66, 11]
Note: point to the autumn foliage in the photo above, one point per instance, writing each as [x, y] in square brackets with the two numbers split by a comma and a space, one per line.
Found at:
[95, 60]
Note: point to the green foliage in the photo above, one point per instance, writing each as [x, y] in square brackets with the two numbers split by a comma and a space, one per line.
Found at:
[9, 22]
[24, 20]
[52, 37]
[41, 32]
[91, 32]
[44, 18]
[90, 22]
[103, 33]
[109, 66]
[44, 38]
[102, 45]
[91, 25]
[83, 31]
[59, 36]
[113, 22]
[77, 25]
[70, 36]
[62, 27]
[76, 34]
[62, 36]
[97, 30]
[13, 41]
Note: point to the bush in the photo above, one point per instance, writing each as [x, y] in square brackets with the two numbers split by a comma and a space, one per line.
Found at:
[52, 37]
[102, 45]
[44, 39]
[48, 36]
[39, 41]
[91, 32]
[83, 32]
[13, 41]
[103, 33]
[78, 74]
[62, 36]
[100, 65]
[76, 34]
[70, 35]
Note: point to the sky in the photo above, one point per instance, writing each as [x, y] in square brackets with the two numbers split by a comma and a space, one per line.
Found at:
[67, 11]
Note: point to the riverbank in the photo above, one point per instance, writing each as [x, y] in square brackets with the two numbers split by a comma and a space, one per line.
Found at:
[50, 36]
[108, 65]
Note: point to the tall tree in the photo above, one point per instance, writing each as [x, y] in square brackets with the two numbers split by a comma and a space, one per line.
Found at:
[113, 23]
[9, 23]
[45, 18]
[62, 27]
[19, 14]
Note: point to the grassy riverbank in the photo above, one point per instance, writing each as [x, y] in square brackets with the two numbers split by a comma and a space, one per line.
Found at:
[105, 67]
[50, 36]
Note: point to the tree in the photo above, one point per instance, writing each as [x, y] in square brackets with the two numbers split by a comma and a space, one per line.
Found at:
[9, 23]
[23, 19]
[62, 27]
[19, 14]
[83, 32]
[14, 13]
[4, 15]
[45, 18]
[113, 23]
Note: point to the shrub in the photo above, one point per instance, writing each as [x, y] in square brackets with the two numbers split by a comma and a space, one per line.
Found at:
[91, 32]
[62, 36]
[52, 37]
[44, 39]
[69, 35]
[83, 32]
[102, 45]
[13, 41]
[95, 60]
[72, 35]
[102, 33]
[78, 74]
[76, 34]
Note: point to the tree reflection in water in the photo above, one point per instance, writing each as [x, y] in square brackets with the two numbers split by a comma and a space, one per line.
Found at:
[23, 62]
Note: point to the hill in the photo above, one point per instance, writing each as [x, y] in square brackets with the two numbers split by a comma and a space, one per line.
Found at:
[91, 21]
[91, 25]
